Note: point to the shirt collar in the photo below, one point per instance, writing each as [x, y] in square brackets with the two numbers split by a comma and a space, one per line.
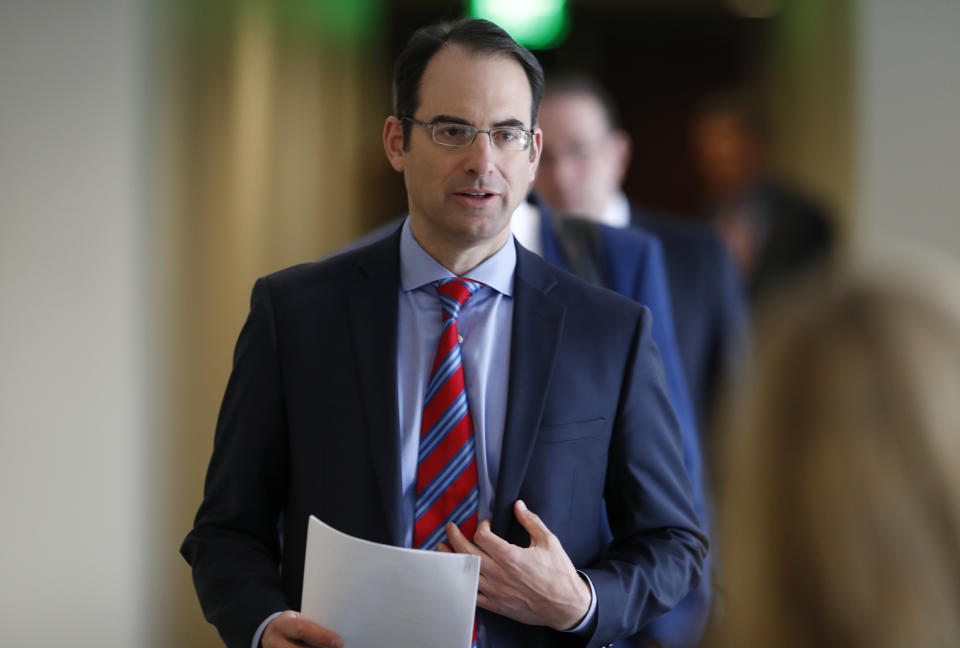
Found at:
[418, 268]
[617, 211]
[525, 225]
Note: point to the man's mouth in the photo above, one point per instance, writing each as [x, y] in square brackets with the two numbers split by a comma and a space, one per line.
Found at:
[475, 198]
[475, 194]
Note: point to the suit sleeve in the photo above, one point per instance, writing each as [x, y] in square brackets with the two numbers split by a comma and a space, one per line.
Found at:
[658, 549]
[234, 547]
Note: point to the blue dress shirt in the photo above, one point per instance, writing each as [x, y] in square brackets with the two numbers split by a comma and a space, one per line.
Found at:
[485, 326]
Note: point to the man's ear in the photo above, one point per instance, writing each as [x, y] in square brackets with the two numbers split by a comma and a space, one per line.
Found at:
[622, 150]
[393, 142]
[536, 147]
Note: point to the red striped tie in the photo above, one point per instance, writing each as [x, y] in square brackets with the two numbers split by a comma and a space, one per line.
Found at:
[447, 465]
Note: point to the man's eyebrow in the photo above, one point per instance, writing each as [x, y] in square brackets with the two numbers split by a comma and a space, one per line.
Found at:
[450, 119]
[510, 123]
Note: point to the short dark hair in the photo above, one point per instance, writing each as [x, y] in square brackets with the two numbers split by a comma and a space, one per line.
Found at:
[580, 84]
[478, 37]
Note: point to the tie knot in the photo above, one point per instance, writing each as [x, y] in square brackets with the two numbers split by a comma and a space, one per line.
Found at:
[454, 293]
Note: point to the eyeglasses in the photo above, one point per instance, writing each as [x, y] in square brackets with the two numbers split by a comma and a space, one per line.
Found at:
[505, 138]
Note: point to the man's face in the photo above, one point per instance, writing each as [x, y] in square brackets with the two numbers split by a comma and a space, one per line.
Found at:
[583, 160]
[728, 156]
[462, 198]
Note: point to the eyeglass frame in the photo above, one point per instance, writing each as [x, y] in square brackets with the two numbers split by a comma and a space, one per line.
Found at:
[476, 131]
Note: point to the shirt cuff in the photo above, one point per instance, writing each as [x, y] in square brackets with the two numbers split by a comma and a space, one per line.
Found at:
[585, 626]
[263, 626]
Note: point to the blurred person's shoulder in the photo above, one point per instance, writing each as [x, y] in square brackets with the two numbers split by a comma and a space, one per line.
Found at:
[788, 201]
[697, 241]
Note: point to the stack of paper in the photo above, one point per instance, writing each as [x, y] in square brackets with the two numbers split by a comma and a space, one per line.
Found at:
[377, 596]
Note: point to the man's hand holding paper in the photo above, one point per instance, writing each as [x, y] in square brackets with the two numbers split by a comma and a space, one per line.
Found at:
[290, 630]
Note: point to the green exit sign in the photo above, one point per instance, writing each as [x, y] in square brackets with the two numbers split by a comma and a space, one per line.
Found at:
[535, 24]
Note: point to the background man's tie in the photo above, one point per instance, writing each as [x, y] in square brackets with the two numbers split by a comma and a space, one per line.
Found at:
[447, 465]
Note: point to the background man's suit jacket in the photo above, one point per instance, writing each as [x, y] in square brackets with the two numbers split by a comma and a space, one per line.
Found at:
[710, 310]
[309, 426]
[795, 235]
[634, 266]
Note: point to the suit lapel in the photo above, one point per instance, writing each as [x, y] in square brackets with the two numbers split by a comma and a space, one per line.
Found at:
[537, 326]
[373, 313]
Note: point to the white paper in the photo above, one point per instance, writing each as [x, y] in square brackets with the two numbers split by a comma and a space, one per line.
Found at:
[376, 595]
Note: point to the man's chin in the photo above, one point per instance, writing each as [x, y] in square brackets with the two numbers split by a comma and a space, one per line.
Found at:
[479, 226]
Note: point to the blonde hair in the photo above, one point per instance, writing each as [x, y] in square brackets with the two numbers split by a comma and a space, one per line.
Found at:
[840, 483]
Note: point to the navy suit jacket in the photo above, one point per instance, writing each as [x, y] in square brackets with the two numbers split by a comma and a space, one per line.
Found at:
[795, 235]
[309, 425]
[710, 311]
[635, 268]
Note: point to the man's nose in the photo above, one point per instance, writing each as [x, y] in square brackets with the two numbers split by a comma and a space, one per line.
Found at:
[480, 155]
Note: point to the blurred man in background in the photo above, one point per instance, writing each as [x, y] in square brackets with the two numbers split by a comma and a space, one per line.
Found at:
[584, 162]
[585, 159]
[773, 231]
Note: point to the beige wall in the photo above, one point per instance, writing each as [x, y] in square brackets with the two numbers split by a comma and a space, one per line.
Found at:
[72, 382]
[154, 159]
[908, 84]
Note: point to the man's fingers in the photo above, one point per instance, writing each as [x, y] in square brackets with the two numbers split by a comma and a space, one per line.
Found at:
[491, 604]
[485, 602]
[316, 635]
[539, 533]
[489, 565]
[292, 629]
[458, 541]
[492, 544]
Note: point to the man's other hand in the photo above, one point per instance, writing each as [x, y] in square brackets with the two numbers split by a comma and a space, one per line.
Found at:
[290, 630]
[537, 585]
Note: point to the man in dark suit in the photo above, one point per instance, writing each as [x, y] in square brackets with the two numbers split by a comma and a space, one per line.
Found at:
[564, 404]
[775, 232]
[584, 162]
[629, 261]
[583, 167]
